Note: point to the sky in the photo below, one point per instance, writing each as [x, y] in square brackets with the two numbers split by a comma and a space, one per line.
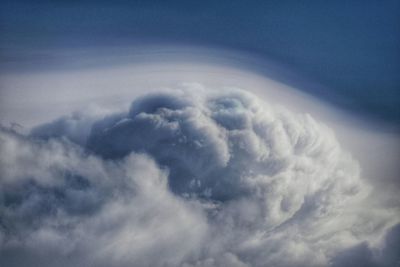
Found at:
[350, 48]
[212, 133]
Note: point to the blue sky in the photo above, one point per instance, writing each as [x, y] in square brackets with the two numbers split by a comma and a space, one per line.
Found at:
[351, 48]
[207, 133]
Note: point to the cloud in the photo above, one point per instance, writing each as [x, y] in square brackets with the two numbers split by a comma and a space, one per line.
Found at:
[58, 201]
[187, 178]
[231, 147]
[364, 255]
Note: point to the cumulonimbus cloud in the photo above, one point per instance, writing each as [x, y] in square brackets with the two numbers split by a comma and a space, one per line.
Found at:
[185, 178]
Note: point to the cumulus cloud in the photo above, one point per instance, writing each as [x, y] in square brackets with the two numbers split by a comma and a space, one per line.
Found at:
[228, 147]
[188, 178]
[58, 201]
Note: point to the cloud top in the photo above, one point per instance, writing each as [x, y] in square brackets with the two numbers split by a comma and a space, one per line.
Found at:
[228, 145]
[186, 178]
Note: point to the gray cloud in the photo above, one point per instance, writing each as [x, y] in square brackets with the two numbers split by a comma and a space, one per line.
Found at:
[230, 147]
[184, 178]
[364, 255]
[58, 201]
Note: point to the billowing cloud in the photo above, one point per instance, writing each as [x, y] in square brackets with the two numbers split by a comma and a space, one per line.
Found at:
[58, 203]
[187, 178]
[228, 147]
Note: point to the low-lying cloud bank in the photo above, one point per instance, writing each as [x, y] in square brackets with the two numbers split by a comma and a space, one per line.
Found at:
[188, 178]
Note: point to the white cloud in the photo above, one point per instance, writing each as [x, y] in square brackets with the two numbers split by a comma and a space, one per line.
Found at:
[106, 213]
[221, 179]
[228, 145]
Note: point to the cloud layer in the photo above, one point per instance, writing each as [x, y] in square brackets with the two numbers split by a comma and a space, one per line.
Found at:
[188, 178]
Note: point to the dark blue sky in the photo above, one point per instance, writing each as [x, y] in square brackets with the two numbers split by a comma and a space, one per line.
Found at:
[352, 48]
